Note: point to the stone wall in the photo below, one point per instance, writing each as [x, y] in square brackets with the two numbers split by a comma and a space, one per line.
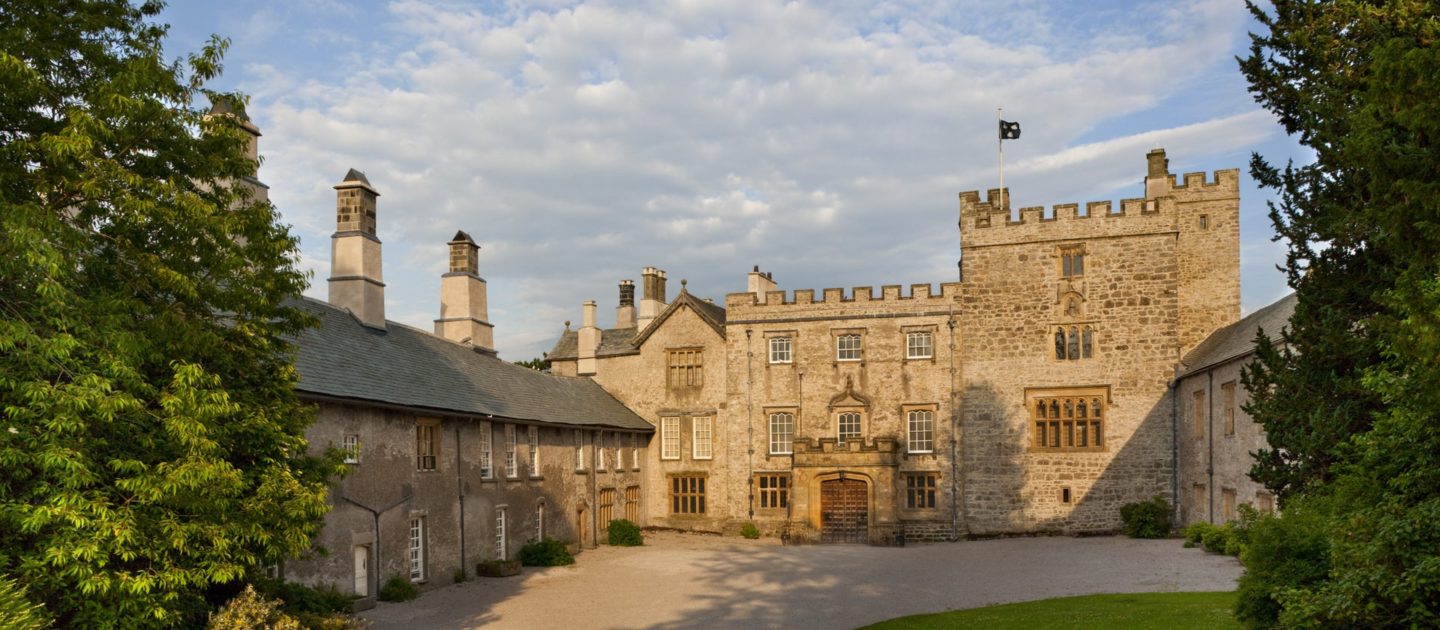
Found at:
[386, 476]
[1214, 461]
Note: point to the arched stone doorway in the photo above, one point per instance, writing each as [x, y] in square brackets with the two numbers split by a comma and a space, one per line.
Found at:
[844, 511]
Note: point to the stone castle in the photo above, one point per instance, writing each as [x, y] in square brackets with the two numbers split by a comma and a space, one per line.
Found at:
[1079, 363]
[1031, 396]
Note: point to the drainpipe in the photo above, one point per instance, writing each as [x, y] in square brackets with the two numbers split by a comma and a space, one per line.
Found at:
[406, 495]
[954, 434]
[1175, 448]
[460, 494]
[750, 424]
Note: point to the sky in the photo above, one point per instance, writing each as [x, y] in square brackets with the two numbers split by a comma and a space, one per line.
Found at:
[826, 142]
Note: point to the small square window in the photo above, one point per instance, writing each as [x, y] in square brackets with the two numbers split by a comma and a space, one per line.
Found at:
[919, 345]
[847, 348]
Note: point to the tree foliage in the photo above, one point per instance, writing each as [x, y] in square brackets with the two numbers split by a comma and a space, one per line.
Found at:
[151, 444]
[1351, 399]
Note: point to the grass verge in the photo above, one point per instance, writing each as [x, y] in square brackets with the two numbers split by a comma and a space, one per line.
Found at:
[1161, 611]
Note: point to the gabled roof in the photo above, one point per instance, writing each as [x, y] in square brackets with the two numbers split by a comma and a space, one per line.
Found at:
[407, 367]
[711, 314]
[1238, 339]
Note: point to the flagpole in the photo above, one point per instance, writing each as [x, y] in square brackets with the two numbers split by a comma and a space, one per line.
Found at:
[999, 116]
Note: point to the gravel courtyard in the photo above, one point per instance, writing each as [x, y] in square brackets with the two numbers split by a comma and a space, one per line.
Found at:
[689, 581]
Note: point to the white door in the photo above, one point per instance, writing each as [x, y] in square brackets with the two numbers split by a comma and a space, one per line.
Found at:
[362, 571]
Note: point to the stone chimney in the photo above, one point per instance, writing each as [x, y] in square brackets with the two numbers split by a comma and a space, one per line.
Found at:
[1157, 176]
[758, 283]
[464, 313]
[355, 279]
[625, 313]
[226, 106]
[588, 341]
[652, 301]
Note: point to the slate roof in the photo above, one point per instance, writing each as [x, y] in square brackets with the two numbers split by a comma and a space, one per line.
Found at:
[622, 341]
[613, 342]
[1238, 339]
[411, 368]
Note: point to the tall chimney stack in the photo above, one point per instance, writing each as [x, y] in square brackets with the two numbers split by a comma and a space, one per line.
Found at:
[355, 279]
[652, 301]
[758, 283]
[229, 107]
[1157, 175]
[588, 341]
[625, 312]
[464, 311]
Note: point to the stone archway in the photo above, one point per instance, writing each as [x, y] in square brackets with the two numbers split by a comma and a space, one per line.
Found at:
[844, 511]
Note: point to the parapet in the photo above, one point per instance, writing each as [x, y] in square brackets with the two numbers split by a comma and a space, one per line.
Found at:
[923, 293]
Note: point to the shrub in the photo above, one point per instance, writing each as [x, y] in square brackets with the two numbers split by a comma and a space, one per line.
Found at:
[398, 589]
[298, 598]
[1217, 538]
[1284, 552]
[623, 533]
[546, 553]
[1147, 519]
[250, 610]
[460, 575]
[1195, 532]
[16, 611]
[749, 530]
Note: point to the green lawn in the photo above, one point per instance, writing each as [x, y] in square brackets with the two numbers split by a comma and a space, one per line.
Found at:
[1163, 611]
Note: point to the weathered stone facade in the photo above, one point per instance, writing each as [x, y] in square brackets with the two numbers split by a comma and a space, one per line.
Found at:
[964, 386]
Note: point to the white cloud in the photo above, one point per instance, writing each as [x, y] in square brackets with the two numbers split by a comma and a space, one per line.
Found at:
[824, 142]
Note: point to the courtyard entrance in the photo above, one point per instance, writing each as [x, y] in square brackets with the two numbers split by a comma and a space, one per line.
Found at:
[844, 511]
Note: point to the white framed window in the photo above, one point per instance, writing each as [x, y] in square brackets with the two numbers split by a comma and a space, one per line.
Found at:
[417, 549]
[539, 522]
[351, 446]
[634, 452]
[619, 452]
[579, 450]
[919, 345]
[487, 464]
[702, 445]
[500, 534]
[781, 350]
[512, 465]
[670, 438]
[847, 426]
[920, 434]
[847, 347]
[533, 440]
[782, 433]
[600, 450]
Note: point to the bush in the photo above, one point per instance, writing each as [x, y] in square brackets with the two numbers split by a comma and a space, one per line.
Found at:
[398, 589]
[1147, 519]
[298, 598]
[623, 533]
[460, 576]
[16, 611]
[1218, 538]
[1284, 552]
[1195, 532]
[250, 610]
[546, 553]
[748, 530]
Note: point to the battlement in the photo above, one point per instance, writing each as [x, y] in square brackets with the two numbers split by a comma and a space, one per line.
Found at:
[984, 214]
[923, 293]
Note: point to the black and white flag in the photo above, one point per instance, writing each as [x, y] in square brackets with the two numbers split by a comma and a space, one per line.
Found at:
[1009, 130]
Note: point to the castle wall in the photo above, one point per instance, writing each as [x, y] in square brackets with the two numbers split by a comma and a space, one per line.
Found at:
[816, 386]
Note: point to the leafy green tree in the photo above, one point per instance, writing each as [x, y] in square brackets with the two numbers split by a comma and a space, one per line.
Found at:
[540, 364]
[1352, 406]
[151, 443]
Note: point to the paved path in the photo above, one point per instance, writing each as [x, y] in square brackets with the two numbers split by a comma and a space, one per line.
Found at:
[691, 581]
